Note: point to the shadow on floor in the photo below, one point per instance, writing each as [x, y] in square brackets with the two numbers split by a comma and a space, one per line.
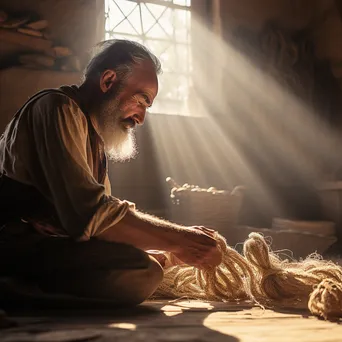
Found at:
[44, 319]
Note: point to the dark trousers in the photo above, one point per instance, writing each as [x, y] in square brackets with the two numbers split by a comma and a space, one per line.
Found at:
[91, 269]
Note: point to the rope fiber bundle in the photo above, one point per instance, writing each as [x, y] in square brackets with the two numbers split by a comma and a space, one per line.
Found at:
[261, 276]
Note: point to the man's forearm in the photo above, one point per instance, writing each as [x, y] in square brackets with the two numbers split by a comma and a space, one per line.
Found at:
[195, 246]
[143, 231]
[157, 221]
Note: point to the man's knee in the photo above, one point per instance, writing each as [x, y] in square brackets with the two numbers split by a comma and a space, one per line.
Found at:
[143, 283]
[126, 286]
[156, 272]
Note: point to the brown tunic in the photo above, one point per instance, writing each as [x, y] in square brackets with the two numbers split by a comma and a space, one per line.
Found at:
[54, 169]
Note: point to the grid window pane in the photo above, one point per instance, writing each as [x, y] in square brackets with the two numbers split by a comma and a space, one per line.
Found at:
[182, 2]
[165, 29]
[181, 21]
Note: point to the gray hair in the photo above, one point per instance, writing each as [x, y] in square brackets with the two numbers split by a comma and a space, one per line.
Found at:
[119, 55]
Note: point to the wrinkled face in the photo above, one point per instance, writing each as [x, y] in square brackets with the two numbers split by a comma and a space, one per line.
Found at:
[123, 107]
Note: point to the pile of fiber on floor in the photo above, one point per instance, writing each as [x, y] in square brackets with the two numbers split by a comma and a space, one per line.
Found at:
[260, 275]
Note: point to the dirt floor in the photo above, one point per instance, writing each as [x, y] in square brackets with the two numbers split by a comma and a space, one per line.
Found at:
[165, 321]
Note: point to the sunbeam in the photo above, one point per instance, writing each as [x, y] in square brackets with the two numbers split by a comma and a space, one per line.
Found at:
[253, 131]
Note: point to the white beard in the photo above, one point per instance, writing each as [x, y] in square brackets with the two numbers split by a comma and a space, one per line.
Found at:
[120, 142]
[122, 146]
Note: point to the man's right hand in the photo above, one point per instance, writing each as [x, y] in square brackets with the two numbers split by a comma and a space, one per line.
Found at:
[197, 246]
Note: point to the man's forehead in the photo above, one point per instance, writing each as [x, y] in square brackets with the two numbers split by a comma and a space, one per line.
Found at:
[144, 73]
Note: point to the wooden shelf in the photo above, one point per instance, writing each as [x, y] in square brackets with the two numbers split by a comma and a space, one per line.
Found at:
[30, 43]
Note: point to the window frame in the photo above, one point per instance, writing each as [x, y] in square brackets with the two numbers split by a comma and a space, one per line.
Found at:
[198, 8]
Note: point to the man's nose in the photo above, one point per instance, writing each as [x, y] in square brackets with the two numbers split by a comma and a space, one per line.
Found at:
[140, 117]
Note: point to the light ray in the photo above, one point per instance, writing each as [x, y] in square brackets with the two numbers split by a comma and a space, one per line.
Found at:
[283, 124]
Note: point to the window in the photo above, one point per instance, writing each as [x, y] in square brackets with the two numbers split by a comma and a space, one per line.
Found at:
[164, 27]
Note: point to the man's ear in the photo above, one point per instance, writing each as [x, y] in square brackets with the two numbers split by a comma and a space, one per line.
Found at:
[107, 80]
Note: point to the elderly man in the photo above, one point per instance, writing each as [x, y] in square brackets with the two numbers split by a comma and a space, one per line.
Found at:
[61, 227]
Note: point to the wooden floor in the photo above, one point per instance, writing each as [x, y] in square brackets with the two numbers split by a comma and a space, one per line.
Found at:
[164, 321]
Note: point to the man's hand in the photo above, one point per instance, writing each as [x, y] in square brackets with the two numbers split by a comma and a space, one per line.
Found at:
[166, 259]
[197, 247]
[194, 246]
[160, 256]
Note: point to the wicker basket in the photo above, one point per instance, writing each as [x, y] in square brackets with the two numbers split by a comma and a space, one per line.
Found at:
[192, 205]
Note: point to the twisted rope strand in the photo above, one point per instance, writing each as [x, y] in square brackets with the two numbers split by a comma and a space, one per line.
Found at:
[261, 276]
